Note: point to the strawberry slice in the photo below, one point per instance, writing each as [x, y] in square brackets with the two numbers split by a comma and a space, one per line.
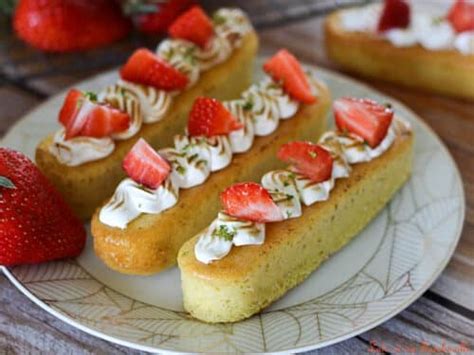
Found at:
[163, 17]
[194, 25]
[308, 159]
[81, 115]
[363, 117]
[283, 66]
[209, 117]
[395, 14]
[251, 202]
[461, 16]
[144, 67]
[145, 166]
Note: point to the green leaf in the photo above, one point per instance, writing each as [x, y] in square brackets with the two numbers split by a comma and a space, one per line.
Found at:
[6, 183]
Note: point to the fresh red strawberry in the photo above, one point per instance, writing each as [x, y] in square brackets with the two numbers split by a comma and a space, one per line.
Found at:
[251, 202]
[163, 17]
[144, 67]
[209, 117]
[283, 66]
[69, 25]
[81, 115]
[363, 117]
[194, 25]
[308, 159]
[145, 166]
[36, 224]
[461, 16]
[395, 14]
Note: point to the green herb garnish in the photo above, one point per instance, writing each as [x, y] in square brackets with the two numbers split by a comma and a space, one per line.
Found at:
[181, 169]
[224, 232]
[218, 19]
[92, 96]
[248, 106]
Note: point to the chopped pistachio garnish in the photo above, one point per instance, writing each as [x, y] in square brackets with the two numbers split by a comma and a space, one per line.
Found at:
[218, 20]
[92, 96]
[181, 169]
[313, 154]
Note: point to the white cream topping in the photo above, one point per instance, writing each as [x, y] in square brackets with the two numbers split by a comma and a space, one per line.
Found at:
[282, 187]
[79, 150]
[361, 19]
[125, 101]
[241, 140]
[192, 159]
[289, 190]
[269, 103]
[153, 104]
[224, 232]
[181, 54]
[132, 199]
[217, 50]
[428, 28]
[232, 24]
[357, 151]
[464, 43]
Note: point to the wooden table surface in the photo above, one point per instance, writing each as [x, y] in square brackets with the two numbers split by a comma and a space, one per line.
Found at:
[444, 314]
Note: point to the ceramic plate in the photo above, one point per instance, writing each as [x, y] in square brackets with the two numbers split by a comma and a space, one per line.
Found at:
[391, 263]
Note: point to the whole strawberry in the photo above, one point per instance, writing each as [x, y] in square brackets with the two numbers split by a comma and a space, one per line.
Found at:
[69, 25]
[36, 225]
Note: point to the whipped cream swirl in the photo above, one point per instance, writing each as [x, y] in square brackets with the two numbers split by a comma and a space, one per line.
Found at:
[241, 140]
[289, 189]
[226, 231]
[181, 54]
[216, 51]
[232, 24]
[79, 150]
[132, 199]
[268, 103]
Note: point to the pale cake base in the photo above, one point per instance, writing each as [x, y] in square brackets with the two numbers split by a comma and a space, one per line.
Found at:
[151, 242]
[85, 187]
[446, 72]
[249, 278]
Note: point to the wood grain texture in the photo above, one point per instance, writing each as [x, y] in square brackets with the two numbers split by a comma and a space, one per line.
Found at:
[444, 314]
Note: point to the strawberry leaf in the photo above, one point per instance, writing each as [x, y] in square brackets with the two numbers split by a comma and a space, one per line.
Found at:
[7, 183]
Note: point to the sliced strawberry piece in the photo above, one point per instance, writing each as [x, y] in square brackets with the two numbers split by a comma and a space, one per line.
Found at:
[144, 67]
[81, 115]
[283, 66]
[104, 120]
[71, 106]
[363, 117]
[308, 159]
[209, 117]
[251, 202]
[461, 16]
[163, 17]
[145, 166]
[194, 25]
[395, 14]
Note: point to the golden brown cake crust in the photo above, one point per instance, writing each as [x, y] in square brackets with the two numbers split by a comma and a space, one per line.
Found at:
[86, 186]
[447, 72]
[151, 242]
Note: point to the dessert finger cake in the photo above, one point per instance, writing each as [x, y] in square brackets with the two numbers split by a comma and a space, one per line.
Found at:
[421, 44]
[174, 193]
[269, 237]
[151, 99]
